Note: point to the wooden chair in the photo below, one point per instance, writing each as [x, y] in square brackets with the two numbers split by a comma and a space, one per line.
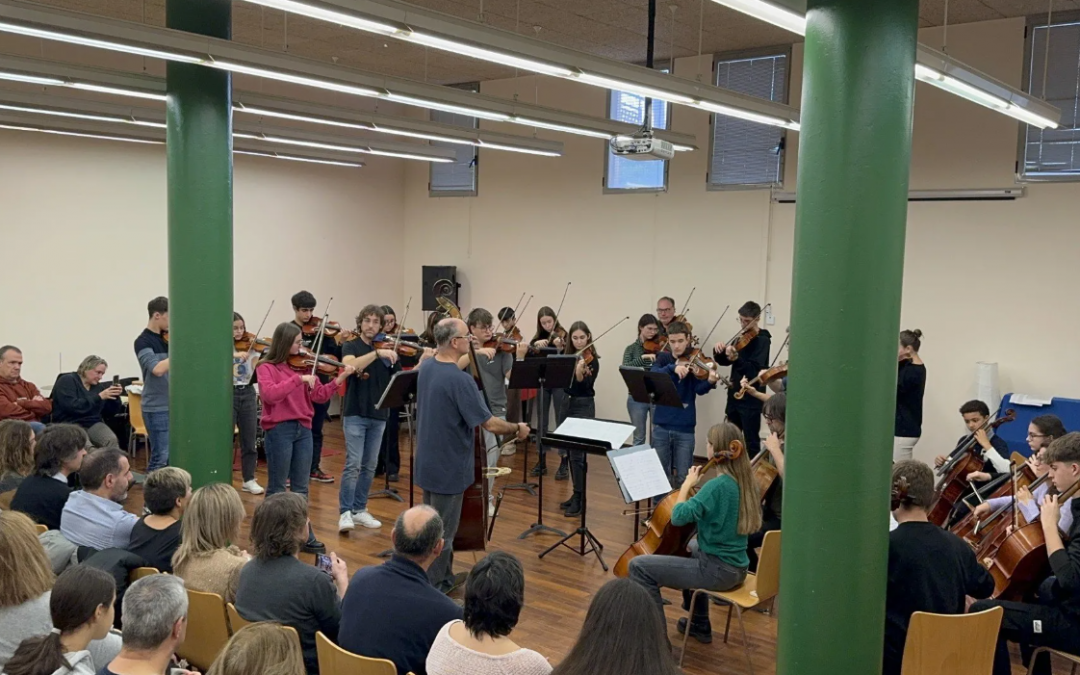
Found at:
[756, 590]
[207, 629]
[140, 572]
[5, 499]
[334, 660]
[951, 644]
[236, 622]
[138, 426]
[1053, 652]
[41, 529]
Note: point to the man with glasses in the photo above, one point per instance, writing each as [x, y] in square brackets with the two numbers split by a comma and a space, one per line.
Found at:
[450, 407]
[665, 311]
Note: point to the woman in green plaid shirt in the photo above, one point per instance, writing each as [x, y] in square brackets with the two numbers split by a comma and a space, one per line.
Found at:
[635, 356]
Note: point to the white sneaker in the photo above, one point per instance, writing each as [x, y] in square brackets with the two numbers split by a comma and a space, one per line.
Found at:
[366, 519]
[253, 487]
[345, 523]
[509, 449]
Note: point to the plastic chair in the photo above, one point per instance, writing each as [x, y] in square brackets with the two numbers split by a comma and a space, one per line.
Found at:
[756, 590]
[1056, 652]
[140, 572]
[207, 629]
[138, 426]
[951, 644]
[334, 660]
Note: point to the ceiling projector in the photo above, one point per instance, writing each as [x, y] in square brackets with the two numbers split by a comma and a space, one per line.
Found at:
[642, 146]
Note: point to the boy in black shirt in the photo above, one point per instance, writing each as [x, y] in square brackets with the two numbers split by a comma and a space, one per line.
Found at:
[745, 413]
[303, 304]
[1055, 621]
[993, 450]
[930, 569]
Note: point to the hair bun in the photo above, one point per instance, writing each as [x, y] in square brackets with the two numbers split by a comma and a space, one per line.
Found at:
[917, 333]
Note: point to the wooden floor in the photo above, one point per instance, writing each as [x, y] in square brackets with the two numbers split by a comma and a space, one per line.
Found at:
[559, 587]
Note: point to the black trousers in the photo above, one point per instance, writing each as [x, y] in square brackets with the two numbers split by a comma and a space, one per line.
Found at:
[754, 541]
[747, 417]
[584, 407]
[317, 420]
[389, 453]
[1033, 625]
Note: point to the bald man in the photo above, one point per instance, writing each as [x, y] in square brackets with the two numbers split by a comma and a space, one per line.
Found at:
[449, 409]
[391, 611]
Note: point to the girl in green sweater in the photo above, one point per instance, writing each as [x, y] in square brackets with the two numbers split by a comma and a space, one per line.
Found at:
[726, 509]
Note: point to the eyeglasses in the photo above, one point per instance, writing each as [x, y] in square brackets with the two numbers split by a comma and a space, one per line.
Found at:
[1037, 435]
[664, 310]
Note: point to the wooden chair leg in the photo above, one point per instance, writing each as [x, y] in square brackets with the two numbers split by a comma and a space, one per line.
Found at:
[746, 642]
[727, 626]
[1035, 657]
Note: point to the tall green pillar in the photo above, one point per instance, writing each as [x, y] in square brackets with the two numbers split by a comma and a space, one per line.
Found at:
[199, 117]
[854, 158]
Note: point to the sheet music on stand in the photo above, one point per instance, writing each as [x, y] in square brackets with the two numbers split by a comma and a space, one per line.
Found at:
[639, 473]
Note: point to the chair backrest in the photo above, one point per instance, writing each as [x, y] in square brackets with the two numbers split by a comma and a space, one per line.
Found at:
[768, 569]
[236, 622]
[41, 529]
[135, 417]
[334, 660]
[5, 499]
[951, 644]
[207, 629]
[140, 572]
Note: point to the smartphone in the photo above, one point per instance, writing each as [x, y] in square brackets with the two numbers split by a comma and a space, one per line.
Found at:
[324, 563]
[116, 380]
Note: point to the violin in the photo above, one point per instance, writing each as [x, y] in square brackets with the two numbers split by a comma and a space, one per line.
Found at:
[967, 457]
[245, 343]
[305, 359]
[656, 345]
[165, 336]
[402, 347]
[503, 342]
[333, 330]
[744, 337]
[700, 366]
[770, 375]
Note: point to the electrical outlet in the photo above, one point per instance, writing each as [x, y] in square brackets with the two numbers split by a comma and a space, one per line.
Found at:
[770, 318]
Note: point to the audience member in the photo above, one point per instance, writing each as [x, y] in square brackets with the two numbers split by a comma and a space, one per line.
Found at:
[95, 515]
[19, 399]
[480, 645]
[80, 397]
[263, 648]
[391, 611]
[81, 607]
[207, 560]
[276, 586]
[623, 633]
[157, 536]
[58, 455]
[16, 453]
[155, 622]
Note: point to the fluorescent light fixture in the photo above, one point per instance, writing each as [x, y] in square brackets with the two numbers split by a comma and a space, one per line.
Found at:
[117, 91]
[341, 18]
[70, 38]
[405, 155]
[982, 89]
[295, 79]
[31, 79]
[296, 158]
[630, 87]
[446, 107]
[510, 148]
[770, 13]
[266, 112]
[340, 148]
[681, 148]
[100, 137]
[501, 58]
[961, 89]
[581, 131]
[423, 136]
[746, 115]
[81, 116]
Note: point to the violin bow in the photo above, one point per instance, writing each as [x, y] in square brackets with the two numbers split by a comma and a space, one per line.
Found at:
[597, 338]
[518, 316]
[515, 312]
[321, 335]
[558, 312]
[706, 341]
[772, 365]
[265, 316]
[686, 305]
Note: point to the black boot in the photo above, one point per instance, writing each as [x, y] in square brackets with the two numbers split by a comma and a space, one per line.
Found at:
[564, 470]
[701, 633]
[573, 509]
[539, 469]
[565, 505]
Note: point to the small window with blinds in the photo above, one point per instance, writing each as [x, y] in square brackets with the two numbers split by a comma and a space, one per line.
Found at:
[747, 154]
[1053, 74]
[634, 175]
[457, 178]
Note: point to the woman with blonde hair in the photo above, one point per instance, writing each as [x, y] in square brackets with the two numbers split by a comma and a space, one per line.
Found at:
[16, 453]
[81, 397]
[726, 509]
[207, 560]
[263, 648]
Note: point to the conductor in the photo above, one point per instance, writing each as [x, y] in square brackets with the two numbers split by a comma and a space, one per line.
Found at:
[449, 408]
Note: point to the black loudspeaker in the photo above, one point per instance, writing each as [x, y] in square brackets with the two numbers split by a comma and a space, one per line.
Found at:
[439, 281]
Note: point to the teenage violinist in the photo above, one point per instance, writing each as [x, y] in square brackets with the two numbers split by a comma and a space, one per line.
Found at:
[549, 335]
[747, 362]
[637, 356]
[303, 304]
[775, 414]
[581, 403]
[508, 328]
[673, 428]
[910, 386]
[389, 452]
[245, 404]
[1054, 621]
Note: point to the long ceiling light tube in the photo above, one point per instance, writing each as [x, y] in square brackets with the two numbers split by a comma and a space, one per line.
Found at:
[135, 38]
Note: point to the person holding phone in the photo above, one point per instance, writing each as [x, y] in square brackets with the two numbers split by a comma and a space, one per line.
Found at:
[81, 397]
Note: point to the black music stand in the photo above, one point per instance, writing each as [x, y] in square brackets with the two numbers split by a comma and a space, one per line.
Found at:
[552, 372]
[646, 386]
[400, 393]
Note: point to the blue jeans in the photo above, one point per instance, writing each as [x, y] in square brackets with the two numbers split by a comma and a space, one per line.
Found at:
[676, 451]
[37, 427]
[639, 417]
[288, 455]
[157, 426]
[363, 436]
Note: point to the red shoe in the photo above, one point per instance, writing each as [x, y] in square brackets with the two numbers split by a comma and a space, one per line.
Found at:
[319, 477]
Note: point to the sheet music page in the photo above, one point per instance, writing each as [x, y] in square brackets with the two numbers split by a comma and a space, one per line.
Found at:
[612, 433]
[642, 474]
[1028, 399]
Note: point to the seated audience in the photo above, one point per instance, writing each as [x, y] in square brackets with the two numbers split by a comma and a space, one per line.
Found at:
[157, 536]
[481, 644]
[58, 455]
[207, 560]
[276, 586]
[79, 397]
[19, 399]
[155, 622]
[391, 611]
[259, 649]
[81, 607]
[26, 582]
[94, 516]
[623, 633]
[930, 569]
[16, 453]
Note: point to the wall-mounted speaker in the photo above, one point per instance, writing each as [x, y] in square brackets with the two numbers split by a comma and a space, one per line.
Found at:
[439, 281]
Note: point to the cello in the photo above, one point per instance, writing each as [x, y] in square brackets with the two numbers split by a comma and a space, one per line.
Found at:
[964, 459]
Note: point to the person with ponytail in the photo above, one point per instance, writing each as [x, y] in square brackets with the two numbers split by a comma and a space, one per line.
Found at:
[726, 509]
[910, 386]
[81, 606]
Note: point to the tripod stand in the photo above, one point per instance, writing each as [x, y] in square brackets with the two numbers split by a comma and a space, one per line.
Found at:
[400, 393]
[584, 446]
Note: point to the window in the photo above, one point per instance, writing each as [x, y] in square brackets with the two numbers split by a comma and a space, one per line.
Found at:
[457, 178]
[623, 174]
[747, 154]
[1053, 154]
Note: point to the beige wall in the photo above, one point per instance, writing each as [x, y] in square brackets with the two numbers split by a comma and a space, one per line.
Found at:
[984, 281]
[84, 225]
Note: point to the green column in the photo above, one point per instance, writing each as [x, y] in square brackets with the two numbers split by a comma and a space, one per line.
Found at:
[199, 116]
[854, 157]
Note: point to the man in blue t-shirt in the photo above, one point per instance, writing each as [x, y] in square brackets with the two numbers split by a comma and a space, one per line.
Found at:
[449, 408]
[152, 350]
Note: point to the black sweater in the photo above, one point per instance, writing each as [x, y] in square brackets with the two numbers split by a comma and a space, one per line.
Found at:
[587, 386]
[1065, 564]
[910, 385]
[753, 359]
[74, 404]
[42, 498]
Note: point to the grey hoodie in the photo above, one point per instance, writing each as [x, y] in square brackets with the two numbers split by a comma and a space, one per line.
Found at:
[82, 663]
